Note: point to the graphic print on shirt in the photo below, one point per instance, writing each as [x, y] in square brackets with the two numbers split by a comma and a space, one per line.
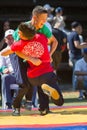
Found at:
[34, 49]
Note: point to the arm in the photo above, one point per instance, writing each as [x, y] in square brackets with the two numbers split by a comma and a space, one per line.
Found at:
[8, 51]
[54, 43]
[80, 46]
[35, 61]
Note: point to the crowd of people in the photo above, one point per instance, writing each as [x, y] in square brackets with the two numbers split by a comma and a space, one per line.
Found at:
[30, 55]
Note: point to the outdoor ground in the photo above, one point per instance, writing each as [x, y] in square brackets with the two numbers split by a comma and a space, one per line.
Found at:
[71, 116]
[70, 98]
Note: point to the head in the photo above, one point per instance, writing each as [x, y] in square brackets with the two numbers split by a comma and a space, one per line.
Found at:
[48, 8]
[59, 11]
[26, 31]
[39, 17]
[8, 36]
[6, 25]
[77, 27]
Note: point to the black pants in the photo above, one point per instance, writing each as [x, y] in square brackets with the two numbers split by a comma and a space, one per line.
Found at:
[50, 79]
[25, 88]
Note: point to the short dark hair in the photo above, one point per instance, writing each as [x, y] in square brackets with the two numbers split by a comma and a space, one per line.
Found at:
[27, 29]
[39, 10]
[75, 24]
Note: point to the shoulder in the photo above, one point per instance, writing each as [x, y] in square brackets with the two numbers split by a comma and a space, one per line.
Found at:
[49, 26]
[46, 31]
[41, 38]
[40, 35]
[72, 34]
[45, 27]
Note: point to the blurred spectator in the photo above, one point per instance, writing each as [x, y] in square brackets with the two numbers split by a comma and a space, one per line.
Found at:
[5, 26]
[35, 102]
[50, 16]
[58, 20]
[75, 46]
[8, 78]
[81, 75]
[62, 46]
[50, 11]
[20, 69]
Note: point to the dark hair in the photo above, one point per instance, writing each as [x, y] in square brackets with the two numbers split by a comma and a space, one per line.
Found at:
[75, 24]
[39, 10]
[27, 29]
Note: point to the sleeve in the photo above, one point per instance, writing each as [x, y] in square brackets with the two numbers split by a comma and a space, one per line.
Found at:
[76, 37]
[16, 46]
[47, 31]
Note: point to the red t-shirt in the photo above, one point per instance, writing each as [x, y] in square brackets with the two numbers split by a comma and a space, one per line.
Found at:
[37, 47]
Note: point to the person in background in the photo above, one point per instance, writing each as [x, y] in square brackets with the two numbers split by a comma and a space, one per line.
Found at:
[6, 26]
[50, 11]
[75, 47]
[20, 69]
[58, 20]
[39, 68]
[7, 78]
[80, 73]
[35, 101]
[3, 27]
[62, 45]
